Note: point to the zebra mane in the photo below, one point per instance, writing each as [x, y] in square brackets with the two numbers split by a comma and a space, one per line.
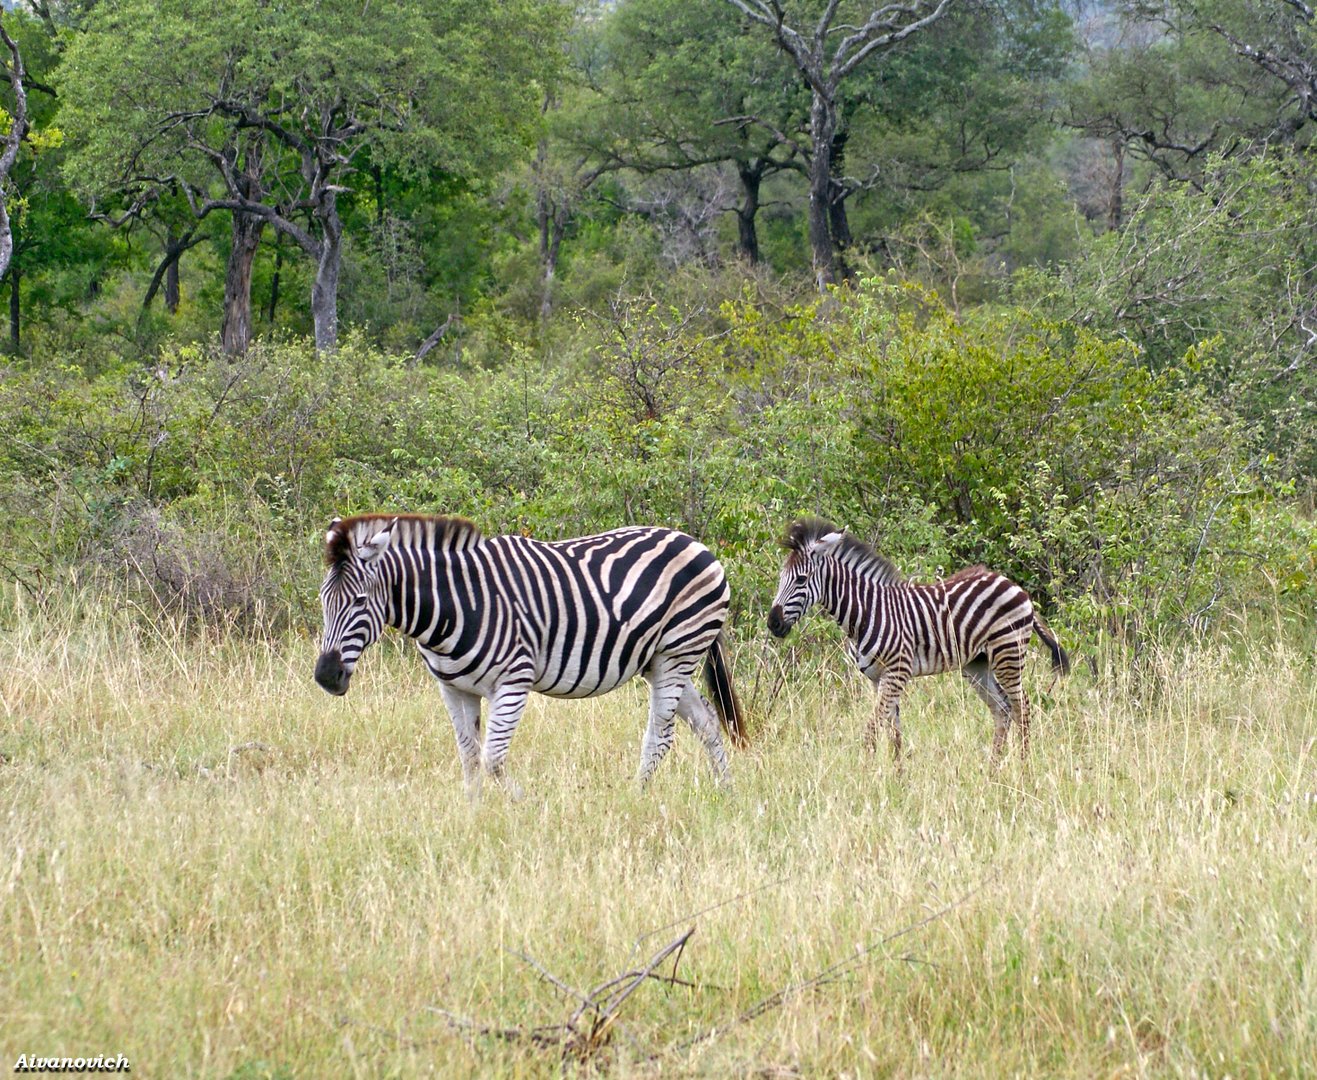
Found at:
[430, 530]
[852, 551]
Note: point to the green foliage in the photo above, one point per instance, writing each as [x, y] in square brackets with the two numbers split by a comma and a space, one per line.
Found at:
[275, 110]
[57, 250]
[418, 79]
[1048, 451]
[1228, 261]
[1134, 441]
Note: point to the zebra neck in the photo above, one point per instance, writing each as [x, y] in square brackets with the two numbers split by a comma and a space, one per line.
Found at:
[419, 600]
[395, 574]
[848, 596]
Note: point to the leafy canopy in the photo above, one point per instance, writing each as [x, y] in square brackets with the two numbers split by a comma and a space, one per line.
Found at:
[154, 88]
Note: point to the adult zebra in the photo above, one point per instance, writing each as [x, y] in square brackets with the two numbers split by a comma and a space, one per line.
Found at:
[976, 621]
[497, 617]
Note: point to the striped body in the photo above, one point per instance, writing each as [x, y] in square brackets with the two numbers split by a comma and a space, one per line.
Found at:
[976, 622]
[928, 629]
[501, 616]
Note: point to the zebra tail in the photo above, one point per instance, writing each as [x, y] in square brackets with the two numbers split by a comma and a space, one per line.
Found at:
[718, 678]
[1060, 659]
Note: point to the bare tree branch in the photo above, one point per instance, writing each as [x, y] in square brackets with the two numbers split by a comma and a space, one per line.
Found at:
[439, 333]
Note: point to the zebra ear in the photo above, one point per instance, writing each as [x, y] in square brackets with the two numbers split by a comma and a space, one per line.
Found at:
[826, 544]
[371, 549]
[329, 534]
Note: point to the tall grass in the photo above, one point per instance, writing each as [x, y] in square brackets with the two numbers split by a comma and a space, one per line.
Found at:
[214, 868]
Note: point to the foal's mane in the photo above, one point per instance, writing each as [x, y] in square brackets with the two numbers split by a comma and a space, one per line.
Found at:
[436, 530]
[852, 551]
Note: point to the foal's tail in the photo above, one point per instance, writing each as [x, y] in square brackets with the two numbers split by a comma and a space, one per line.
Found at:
[1060, 660]
[718, 678]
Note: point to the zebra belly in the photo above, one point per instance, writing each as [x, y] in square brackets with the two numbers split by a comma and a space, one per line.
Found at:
[565, 685]
[583, 675]
[919, 661]
[585, 688]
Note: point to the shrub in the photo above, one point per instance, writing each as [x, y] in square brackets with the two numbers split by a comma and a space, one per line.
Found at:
[1116, 494]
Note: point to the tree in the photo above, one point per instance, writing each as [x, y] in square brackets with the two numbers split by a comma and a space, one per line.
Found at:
[1280, 40]
[271, 113]
[825, 56]
[942, 133]
[13, 140]
[1175, 83]
[683, 88]
[55, 252]
[1219, 271]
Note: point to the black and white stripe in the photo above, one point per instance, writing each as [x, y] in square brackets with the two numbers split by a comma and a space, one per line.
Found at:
[976, 622]
[497, 617]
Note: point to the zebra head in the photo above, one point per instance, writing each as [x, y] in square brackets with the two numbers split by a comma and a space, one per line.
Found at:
[353, 597]
[800, 587]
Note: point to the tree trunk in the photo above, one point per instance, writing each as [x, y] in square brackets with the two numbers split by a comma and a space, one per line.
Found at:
[747, 236]
[840, 227]
[551, 233]
[236, 329]
[166, 272]
[1116, 200]
[18, 128]
[329, 261]
[172, 293]
[552, 226]
[274, 280]
[822, 128]
[838, 219]
[15, 309]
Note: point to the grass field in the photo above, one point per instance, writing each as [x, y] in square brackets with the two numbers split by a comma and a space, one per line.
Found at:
[214, 868]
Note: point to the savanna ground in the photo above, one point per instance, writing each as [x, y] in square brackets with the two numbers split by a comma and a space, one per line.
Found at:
[219, 871]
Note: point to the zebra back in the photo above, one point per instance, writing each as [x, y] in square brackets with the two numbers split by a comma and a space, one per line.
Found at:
[588, 613]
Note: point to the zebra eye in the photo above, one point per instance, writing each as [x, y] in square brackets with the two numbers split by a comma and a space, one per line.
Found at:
[359, 600]
[801, 579]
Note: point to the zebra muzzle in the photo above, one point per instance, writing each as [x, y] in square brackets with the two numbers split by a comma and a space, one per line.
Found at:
[777, 624]
[331, 674]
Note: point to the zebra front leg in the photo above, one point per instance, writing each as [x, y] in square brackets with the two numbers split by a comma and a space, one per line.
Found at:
[699, 714]
[887, 712]
[464, 708]
[665, 690]
[506, 706]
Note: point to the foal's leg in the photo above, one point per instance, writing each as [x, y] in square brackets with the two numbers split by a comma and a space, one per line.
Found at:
[887, 711]
[699, 714]
[1008, 668]
[979, 675]
[667, 683]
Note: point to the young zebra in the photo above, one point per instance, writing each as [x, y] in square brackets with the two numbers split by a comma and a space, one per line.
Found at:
[497, 617]
[976, 621]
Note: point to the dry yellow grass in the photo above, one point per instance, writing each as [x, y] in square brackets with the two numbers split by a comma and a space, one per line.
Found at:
[214, 868]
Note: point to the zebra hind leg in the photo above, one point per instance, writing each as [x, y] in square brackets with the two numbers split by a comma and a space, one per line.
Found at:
[1007, 673]
[979, 675]
[666, 685]
[1020, 712]
[699, 714]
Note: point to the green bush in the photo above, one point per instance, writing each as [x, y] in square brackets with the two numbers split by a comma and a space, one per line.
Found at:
[1115, 494]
